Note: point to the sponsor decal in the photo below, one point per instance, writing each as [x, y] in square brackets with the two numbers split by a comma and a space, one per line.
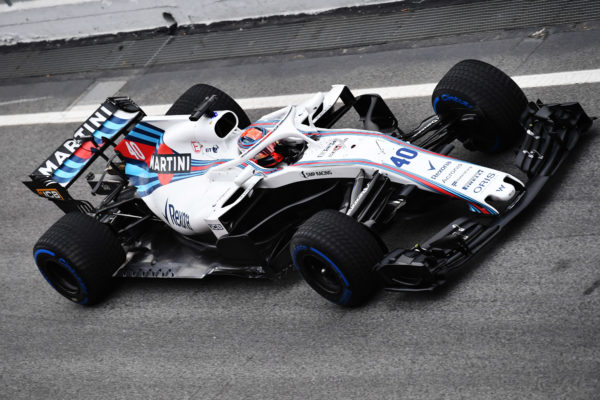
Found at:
[451, 173]
[213, 149]
[82, 135]
[484, 182]
[473, 179]
[94, 122]
[312, 174]
[196, 146]
[216, 227]
[51, 194]
[176, 217]
[326, 149]
[332, 147]
[170, 163]
[423, 129]
[58, 158]
[455, 182]
[431, 167]
[439, 171]
[360, 195]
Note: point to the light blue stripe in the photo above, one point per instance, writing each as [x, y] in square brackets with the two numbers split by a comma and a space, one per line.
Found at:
[63, 174]
[141, 136]
[66, 168]
[147, 129]
[146, 189]
[112, 125]
[73, 164]
[134, 170]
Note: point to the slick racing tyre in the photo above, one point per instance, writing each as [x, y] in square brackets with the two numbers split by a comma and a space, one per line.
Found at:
[187, 102]
[335, 255]
[475, 87]
[78, 256]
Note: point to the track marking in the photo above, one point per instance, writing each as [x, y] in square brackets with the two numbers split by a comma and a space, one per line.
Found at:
[5, 103]
[79, 113]
[34, 4]
[97, 92]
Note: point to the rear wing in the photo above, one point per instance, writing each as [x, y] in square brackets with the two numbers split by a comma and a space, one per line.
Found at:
[51, 180]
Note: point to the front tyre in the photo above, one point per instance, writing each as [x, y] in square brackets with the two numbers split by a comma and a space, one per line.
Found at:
[78, 256]
[475, 87]
[335, 255]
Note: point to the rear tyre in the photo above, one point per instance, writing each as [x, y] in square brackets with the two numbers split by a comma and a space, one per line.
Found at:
[187, 102]
[335, 255]
[475, 87]
[78, 256]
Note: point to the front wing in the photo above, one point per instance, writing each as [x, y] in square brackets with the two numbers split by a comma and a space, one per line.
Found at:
[552, 133]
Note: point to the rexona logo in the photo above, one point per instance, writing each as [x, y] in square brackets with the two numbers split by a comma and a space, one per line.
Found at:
[170, 163]
[176, 217]
[311, 174]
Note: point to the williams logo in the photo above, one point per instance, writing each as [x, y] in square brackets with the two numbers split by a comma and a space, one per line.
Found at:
[176, 217]
[170, 163]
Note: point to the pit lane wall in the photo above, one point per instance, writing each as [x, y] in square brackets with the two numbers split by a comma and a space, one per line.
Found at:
[23, 21]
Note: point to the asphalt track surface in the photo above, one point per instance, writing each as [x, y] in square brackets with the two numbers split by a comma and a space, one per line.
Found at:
[522, 323]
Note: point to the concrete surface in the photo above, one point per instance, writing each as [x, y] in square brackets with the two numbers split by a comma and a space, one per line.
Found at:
[523, 323]
[37, 20]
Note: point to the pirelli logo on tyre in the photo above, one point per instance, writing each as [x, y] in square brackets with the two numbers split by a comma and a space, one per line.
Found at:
[51, 194]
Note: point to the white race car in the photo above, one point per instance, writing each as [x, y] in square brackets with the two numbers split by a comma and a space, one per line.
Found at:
[203, 191]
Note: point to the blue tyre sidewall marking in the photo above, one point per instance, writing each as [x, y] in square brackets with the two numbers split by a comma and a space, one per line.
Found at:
[347, 292]
[68, 267]
[496, 144]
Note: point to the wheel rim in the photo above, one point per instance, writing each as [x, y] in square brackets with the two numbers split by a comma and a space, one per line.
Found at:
[62, 279]
[321, 274]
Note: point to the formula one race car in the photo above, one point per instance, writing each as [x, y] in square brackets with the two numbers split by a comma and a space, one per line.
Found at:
[203, 191]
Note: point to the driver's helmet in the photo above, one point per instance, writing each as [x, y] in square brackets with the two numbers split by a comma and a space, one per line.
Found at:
[269, 157]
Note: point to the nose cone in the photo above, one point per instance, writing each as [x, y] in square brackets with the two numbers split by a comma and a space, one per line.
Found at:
[503, 192]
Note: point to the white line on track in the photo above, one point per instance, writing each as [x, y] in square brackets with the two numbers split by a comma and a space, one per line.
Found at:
[5, 103]
[33, 4]
[80, 113]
